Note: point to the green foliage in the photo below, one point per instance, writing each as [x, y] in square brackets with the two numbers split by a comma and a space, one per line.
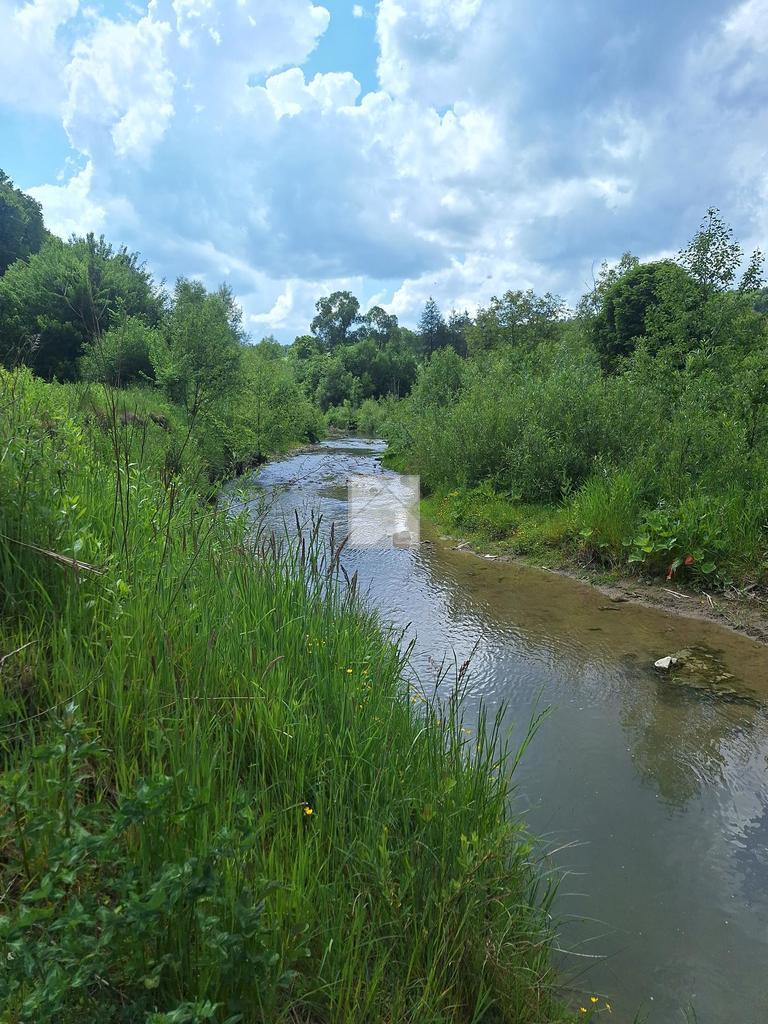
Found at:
[336, 316]
[482, 510]
[517, 318]
[629, 311]
[440, 379]
[66, 295]
[713, 257]
[197, 362]
[86, 935]
[342, 417]
[370, 362]
[605, 512]
[375, 416]
[236, 810]
[433, 330]
[121, 356]
[21, 224]
[678, 307]
[661, 464]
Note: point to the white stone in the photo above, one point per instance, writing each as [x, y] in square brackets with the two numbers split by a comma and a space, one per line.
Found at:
[665, 664]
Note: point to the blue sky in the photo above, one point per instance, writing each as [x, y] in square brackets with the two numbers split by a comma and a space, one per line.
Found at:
[402, 149]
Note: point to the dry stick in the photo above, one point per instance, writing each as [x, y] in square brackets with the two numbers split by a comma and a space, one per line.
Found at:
[71, 563]
[18, 650]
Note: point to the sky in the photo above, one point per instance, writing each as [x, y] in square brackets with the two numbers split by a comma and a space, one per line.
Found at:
[401, 149]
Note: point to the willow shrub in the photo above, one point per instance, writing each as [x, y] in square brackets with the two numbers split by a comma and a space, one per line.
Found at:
[677, 454]
[220, 800]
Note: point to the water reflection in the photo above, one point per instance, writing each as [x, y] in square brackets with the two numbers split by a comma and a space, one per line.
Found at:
[655, 785]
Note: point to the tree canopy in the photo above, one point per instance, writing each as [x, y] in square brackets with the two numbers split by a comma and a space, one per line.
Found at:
[68, 294]
[21, 224]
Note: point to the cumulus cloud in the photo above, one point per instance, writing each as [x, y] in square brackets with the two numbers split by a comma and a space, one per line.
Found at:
[34, 53]
[120, 89]
[69, 208]
[506, 145]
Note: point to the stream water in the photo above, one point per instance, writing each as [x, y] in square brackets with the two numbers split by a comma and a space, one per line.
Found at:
[652, 789]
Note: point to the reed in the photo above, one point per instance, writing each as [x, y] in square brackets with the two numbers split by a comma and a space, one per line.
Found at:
[221, 800]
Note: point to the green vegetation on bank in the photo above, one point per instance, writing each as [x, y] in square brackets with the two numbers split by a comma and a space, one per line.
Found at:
[219, 800]
[632, 434]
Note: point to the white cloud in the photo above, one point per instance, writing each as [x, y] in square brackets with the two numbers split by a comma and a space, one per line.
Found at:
[289, 94]
[69, 208]
[357, 11]
[33, 53]
[748, 25]
[507, 145]
[120, 89]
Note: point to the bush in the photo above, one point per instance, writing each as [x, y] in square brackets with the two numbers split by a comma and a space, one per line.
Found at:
[121, 356]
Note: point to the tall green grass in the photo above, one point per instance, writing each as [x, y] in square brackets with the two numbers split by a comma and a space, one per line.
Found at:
[219, 799]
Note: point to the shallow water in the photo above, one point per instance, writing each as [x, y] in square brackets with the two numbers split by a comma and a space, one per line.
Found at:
[655, 788]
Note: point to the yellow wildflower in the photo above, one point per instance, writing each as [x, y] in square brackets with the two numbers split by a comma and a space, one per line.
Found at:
[349, 670]
[593, 999]
[308, 810]
[608, 1008]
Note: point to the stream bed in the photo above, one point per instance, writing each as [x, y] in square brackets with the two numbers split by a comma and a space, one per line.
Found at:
[652, 788]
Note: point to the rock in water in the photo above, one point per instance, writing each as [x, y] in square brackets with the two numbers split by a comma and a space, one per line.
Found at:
[665, 664]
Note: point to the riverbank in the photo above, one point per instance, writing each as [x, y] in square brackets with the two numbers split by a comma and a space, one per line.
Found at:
[542, 536]
[221, 800]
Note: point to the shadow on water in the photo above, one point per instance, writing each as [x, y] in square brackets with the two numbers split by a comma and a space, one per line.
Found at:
[654, 787]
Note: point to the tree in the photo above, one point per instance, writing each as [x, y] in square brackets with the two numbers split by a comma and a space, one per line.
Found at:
[67, 295]
[336, 315]
[676, 307]
[335, 384]
[21, 224]
[624, 316]
[380, 326]
[459, 325]
[713, 258]
[517, 318]
[433, 333]
[272, 410]
[387, 369]
[591, 303]
[199, 361]
[440, 379]
[269, 348]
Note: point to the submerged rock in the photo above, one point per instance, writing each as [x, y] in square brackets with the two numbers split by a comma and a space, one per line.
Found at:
[701, 670]
[665, 664]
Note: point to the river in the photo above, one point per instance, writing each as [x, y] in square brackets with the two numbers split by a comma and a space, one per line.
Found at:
[650, 792]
